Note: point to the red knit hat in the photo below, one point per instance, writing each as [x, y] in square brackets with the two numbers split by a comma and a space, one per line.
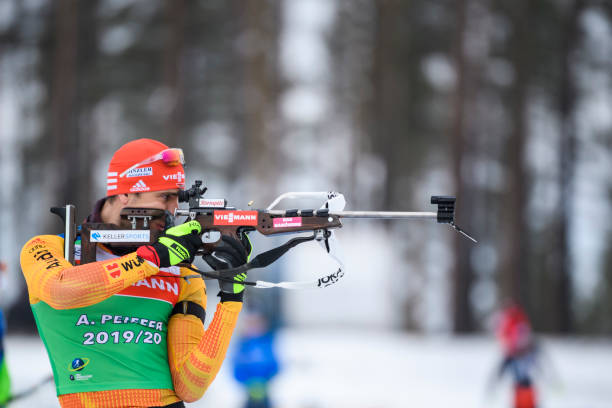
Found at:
[145, 165]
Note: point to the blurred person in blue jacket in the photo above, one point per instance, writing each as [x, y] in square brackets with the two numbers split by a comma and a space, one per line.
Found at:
[255, 362]
[5, 383]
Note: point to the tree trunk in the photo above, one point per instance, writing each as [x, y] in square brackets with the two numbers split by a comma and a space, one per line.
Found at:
[463, 318]
[172, 72]
[382, 102]
[561, 260]
[514, 271]
[259, 50]
[55, 151]
[63, 121]
[86, 97]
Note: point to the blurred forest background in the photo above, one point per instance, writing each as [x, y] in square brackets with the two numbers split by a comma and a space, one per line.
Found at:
[506, 104]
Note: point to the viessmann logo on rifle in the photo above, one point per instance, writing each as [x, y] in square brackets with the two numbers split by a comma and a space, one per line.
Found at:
[235, 217]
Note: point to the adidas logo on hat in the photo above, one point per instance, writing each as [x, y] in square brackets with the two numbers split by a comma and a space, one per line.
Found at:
[139, 186]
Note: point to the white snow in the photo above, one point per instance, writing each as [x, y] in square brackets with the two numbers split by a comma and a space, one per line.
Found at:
[378, 369]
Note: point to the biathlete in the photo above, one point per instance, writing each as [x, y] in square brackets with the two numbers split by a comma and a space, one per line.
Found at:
[126, 330]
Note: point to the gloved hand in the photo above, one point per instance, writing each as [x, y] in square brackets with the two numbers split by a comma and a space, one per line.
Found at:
[230, 253]
[176, 245]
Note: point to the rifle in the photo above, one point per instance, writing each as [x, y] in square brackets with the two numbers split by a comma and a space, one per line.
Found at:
[217, 219]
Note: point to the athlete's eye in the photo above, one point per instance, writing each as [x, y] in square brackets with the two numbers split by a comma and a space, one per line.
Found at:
[167, 197]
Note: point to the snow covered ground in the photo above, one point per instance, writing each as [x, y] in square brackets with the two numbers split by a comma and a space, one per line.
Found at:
[369, 369]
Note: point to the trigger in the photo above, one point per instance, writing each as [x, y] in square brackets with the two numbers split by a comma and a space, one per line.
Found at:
[220, 259]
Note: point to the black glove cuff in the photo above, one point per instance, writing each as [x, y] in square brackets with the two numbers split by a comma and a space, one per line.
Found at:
[162, 253]
[231, 297]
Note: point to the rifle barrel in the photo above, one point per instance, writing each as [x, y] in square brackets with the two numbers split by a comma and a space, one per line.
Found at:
[368, 214]
[384, 214]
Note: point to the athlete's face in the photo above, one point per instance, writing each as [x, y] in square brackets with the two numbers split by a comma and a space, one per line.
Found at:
[160, 200]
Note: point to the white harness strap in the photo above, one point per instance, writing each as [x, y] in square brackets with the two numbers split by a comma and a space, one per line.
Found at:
[334, 202]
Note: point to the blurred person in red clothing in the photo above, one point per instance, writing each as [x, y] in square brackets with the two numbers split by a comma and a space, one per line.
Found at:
[521, 354]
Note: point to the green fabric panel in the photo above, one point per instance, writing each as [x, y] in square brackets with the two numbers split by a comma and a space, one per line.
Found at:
[119, 343]
[5, 383]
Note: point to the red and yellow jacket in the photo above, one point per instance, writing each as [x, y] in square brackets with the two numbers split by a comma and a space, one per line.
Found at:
[194, 354]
